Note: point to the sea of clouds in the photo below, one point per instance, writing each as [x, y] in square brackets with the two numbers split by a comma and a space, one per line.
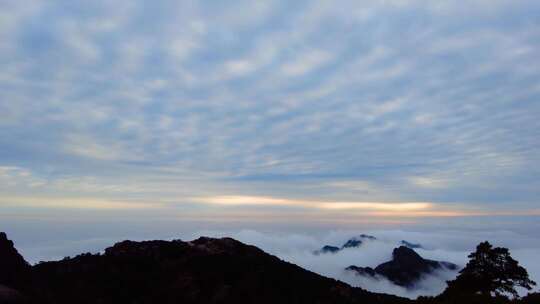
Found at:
[452, 246]
[297, 247]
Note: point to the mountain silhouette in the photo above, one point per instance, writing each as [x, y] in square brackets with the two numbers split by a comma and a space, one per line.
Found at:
[13, 268]
[411, 245]
[405, 269]
[206, 270]
[353, 242]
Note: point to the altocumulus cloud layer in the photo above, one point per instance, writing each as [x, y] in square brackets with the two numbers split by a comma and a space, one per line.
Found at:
[190, 108]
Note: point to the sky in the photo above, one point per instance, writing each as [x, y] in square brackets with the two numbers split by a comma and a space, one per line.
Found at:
[268, 112]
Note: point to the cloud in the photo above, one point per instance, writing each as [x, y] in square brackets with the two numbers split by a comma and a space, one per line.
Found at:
[453, 246]
[75, 203]
[401, 101]
[428, 182]
[250, 200]
[306, 62]
[11, 176]
[91, 148]
[441, 242]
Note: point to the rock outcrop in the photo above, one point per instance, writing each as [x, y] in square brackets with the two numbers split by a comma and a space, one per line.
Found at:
[353, 242]
[13, 268]
[405, 269]
[411, 245]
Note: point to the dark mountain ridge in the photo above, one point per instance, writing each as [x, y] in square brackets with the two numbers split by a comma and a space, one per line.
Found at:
[205, 270]
[13, 268]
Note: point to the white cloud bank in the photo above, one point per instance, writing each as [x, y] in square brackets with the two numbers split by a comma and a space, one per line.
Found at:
[452, 246]
[443, 244]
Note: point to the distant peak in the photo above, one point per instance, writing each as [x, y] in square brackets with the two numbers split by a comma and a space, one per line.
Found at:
[358, 240]
[411, 245]
[403, 253]
[368, 237]
[405, 268]
[327, 249]
[354, 242]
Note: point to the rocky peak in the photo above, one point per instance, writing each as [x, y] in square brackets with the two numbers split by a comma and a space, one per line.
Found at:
[12, 264]
[223, 243]
[145, 249]
[224, 246]
[5, 242]
[368, 237]
[352, 243]
[357, 241]
[411, 245]
[327, 249]
[405, 269]
[8, 253]
[406, 256]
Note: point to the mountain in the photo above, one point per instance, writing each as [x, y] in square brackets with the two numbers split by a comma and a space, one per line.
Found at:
[206, 270]
[13, 268]
[327, 249]
[357, 241]
[411, 245]
[9, 295]
[14, 271]
[405, 269]
[353, 242]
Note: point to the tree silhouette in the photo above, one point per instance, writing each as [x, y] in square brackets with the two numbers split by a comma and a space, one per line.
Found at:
[490, 271]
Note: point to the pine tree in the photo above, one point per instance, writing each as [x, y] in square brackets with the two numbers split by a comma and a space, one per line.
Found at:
[490, 271]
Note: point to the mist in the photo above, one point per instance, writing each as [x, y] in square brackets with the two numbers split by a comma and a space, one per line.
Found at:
[451, 241]
[452, 246]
